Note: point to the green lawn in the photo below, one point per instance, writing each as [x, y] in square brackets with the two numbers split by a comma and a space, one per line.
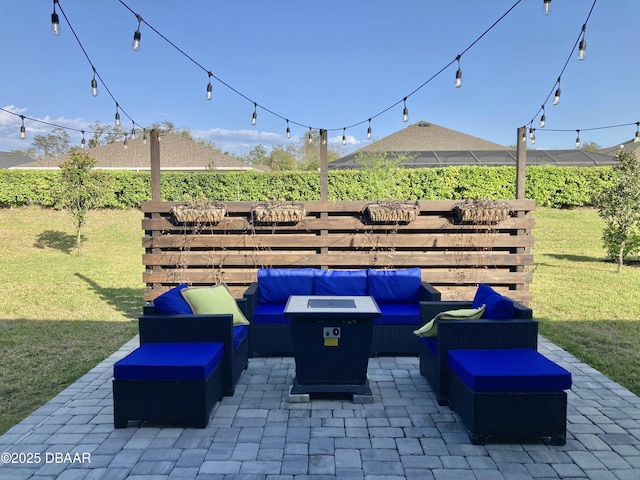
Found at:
[61, 314]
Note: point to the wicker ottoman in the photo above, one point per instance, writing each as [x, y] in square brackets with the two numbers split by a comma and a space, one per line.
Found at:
[168, 383]
[510, 394]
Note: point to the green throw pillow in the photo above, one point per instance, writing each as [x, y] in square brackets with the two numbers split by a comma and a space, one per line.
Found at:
[213, 300]
[430, 329]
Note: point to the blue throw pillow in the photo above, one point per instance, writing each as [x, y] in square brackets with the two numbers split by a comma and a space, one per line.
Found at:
[171, 302]
[395, 286]
[340, 282]
[498, 307]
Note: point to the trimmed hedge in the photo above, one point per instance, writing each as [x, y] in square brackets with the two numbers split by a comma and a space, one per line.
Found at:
[549, 186]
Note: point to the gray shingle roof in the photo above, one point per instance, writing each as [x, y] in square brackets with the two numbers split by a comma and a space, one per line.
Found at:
[423, 136]
[428, 145]
[176, 153]
[11, 159]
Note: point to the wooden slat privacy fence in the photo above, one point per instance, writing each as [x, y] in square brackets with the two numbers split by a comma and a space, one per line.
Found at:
[453, 256]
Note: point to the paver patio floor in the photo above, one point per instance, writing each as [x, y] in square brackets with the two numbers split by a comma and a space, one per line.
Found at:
[259, 434]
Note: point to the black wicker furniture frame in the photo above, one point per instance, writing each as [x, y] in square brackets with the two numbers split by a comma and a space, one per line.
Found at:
[184, 403]
[519, 332]
[157, 328]
[512, 415]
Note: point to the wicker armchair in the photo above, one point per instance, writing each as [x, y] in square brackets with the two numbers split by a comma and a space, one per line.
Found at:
[156, 328]
[519, 332]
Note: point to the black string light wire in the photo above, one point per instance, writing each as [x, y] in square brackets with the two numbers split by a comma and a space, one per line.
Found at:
[581, 43]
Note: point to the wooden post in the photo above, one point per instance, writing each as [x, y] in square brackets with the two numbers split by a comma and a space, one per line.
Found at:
[521, 170]
[324, 187]
[154, 138]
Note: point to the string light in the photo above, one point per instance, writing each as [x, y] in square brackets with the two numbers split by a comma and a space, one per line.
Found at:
[144, 136]
[405, 111]
[578, 139]
[533, 137]
[583, 44]
[547, 7]
[556, 98]
[117, 115]
[369, 130]
[23, 130]
[288, 130]
[344, 136]
[458, 74]
[209, 87]
[55, 20]
[543, 118]
[94, 84]
[83, 142]
[133, 132]
[125, 143]
[636, 139]
[137, 35]
[254, 117]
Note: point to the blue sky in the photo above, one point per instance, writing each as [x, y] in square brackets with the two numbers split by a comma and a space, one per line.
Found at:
[324, 64]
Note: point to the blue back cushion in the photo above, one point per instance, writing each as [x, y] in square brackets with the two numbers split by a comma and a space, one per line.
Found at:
[170, 361]
[508, 370]
[498, 306]
[394, 286]
[172, 302]
[340, 282]
[276, 284]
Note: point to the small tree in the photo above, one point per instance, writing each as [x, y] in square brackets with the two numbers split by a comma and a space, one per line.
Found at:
[619, 207]
[81, 189]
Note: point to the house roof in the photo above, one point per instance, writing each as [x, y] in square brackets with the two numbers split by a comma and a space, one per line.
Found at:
[425, 144]
[176, 153]
[11, 159]
[423, 136]
[630, 146]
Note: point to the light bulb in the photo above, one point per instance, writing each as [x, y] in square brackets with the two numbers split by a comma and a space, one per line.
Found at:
[94, 87]
[209, 91]
[581, 49]
[344, 137]
[125, 143]
[55, 24]
[83, 142]
[458, 78]
[144, 137]
[405, 112]
[547, 7]
[23, 132]
[636, 139]
[369, 131]
[254, 117]
[136, 40]
[556, 99]
[288, 130]
[578, 139]
[530, 133]
[542, 118]
[117, 119]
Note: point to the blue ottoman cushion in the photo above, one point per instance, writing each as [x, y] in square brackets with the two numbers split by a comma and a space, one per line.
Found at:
[508, 370]
[170, 361]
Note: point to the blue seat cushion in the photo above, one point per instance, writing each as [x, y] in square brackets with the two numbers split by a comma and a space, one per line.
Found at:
[508, 370]
[170, 361]
[398, 314]
[269, 314]
[431, 343]
[239, 334]
[276, 284]
[394, 286]
[340, 282]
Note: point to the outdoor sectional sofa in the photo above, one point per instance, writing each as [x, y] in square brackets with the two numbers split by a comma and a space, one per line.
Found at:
[506, 328]
[157, 327]
[401, 295]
